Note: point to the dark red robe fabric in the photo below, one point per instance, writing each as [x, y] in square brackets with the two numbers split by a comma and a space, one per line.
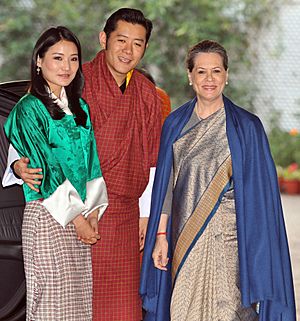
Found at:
[127, 130]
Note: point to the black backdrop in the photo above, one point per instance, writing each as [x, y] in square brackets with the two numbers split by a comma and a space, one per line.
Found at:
[12, 280]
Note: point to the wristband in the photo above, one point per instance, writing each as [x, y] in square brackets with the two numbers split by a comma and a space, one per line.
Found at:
[161, 233]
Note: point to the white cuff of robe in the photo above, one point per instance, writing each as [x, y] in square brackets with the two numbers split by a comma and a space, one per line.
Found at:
[64, 204]
[145, 199]
[9, 178]
[96, 197]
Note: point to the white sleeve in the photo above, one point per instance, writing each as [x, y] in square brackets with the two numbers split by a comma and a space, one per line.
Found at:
[96, 197]
[145, 199]
[9, 178]
[65, 203]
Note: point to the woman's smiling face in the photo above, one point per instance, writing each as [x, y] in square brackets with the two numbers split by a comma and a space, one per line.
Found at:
[59, 65]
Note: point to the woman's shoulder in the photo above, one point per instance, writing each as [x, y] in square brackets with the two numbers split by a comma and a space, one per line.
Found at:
[245, 118]
[28, 101]
[29, 105]
[180, 111]
[241, 112]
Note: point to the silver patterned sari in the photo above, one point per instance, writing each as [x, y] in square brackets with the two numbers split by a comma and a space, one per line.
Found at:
[205, 260]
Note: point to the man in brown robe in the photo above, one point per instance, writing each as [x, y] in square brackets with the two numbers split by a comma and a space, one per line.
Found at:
[126, 115]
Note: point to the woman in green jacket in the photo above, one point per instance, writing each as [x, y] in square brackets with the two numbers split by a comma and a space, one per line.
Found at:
[51, 125]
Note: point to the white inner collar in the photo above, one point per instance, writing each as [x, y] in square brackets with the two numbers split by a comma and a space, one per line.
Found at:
[62, 101]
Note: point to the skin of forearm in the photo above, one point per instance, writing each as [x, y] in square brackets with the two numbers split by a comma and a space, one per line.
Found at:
[163, 223]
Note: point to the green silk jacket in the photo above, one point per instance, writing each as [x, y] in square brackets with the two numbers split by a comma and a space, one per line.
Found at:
[61, 148]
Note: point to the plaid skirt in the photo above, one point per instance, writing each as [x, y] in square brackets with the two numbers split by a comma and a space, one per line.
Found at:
[58, 269]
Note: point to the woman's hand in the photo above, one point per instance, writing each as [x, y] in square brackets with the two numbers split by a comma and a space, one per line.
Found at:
[85, 232]
[160, 253]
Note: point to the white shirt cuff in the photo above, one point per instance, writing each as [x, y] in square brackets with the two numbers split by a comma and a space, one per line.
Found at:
[96, 197]
[9, 178]
[64, 204]
[145, 199]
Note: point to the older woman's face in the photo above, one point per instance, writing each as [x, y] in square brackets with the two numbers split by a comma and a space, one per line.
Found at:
[208, 76]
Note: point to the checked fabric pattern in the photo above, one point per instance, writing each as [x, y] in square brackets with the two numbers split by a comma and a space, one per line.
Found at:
[127, 131]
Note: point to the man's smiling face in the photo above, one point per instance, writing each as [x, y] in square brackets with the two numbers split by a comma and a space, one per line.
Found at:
[124, 48]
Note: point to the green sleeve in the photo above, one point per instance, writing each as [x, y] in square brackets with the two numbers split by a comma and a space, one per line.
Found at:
[26, 128]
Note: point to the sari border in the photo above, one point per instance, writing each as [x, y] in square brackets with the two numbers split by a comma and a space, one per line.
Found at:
[202, 214]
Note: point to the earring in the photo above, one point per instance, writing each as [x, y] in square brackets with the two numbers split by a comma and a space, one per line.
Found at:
[226, 83]
[38, 70]
[190, 83]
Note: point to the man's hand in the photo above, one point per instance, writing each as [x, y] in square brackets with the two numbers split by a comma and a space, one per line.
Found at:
[93, 221]
[142, 231]
[31, 176]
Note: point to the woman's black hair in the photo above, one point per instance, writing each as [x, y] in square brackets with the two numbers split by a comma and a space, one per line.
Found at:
[39, 86]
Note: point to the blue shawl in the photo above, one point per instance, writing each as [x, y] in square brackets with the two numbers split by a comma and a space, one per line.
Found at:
[264, 261]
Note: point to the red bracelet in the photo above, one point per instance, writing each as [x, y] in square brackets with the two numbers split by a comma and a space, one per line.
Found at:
[161, 233]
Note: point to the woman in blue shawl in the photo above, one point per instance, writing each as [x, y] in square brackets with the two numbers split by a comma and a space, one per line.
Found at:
[216, 246]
